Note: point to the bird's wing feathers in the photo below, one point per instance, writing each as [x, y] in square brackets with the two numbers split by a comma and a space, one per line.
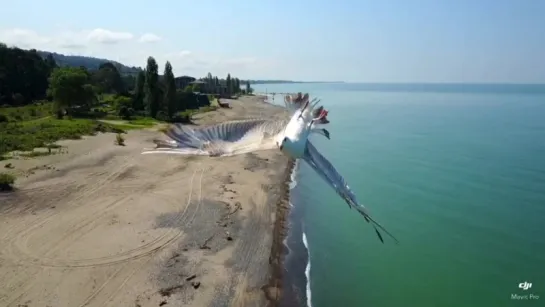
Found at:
[296, 102]
[325, 169]
[225, 139]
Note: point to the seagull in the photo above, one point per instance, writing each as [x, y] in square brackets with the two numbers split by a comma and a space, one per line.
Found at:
[288, 133]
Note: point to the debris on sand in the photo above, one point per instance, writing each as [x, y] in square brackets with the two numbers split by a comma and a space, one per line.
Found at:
[191, 277]
[228, 236]
[168, 291]
[196, 284]
[205, 244]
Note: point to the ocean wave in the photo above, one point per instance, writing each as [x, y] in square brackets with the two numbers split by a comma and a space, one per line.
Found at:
[293, 177]
[307, 272]
[293, 184]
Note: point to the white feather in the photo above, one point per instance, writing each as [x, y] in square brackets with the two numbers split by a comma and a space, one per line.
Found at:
[225, 139]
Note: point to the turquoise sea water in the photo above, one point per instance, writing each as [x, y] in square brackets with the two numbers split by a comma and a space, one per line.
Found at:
[456, 172]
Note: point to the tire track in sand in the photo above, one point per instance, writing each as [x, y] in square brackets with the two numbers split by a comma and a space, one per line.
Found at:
[22, 228]
[39, 221]
[103, 296]
[13, 253]
[21, 251]
[120, 274]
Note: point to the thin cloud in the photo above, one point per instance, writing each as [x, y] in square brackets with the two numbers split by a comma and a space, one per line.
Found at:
[131, 50]
[104, 36]
[149, 38]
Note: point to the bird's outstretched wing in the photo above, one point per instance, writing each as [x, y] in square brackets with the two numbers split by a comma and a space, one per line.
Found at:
[325, 169]
[225, 139]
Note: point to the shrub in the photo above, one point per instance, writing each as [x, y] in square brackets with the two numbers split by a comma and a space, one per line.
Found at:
[125, 112]
[182, 117]
[27, 135]
[122, 101]
[162, 116]
[207, 109]
[6, 181]
[119, 139]
[18, 99]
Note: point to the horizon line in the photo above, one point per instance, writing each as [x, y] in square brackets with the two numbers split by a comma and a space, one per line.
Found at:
[406, 82]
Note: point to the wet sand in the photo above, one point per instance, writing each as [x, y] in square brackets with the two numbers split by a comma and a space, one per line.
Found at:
[103, 225]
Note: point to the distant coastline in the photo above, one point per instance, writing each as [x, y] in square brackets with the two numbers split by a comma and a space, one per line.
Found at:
[289, 81]
[401, 83]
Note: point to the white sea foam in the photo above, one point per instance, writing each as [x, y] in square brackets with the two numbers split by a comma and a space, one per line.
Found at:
[293, 184]
[307, 272]
[293, 176]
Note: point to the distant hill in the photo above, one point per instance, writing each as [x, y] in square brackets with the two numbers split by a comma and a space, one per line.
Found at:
[90, 63]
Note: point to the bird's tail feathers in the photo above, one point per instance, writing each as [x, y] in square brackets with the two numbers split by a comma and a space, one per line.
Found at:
[376, 225]
[325, 169]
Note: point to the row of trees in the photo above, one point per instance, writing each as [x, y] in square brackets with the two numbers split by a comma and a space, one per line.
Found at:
[23, 75]
[230, 86]
[26, 77]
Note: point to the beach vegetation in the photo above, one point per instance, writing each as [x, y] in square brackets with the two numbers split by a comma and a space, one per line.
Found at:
[45, 97]
[119, 139]
[249, 90]
[6, 182]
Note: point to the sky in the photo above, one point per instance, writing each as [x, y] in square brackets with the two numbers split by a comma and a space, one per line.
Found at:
[463, 41]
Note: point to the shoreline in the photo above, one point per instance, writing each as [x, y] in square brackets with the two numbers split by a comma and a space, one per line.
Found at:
[189, 230]
[297, 262]
[274, 290]
[289, 284]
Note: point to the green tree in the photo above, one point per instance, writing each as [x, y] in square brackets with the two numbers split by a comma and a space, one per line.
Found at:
[122, 101]
[70, 87]
[50, 62]
[108, 79]
[139, 92]
[22, 72]
[123, 106]
[249, 90]
[210, 86]
[228, 83]
[237, 85]
[151, 88]
[129, 81]
[196, 87]
[169, 98]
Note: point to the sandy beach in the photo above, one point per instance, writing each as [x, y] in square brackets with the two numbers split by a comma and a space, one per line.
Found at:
[103, 225]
